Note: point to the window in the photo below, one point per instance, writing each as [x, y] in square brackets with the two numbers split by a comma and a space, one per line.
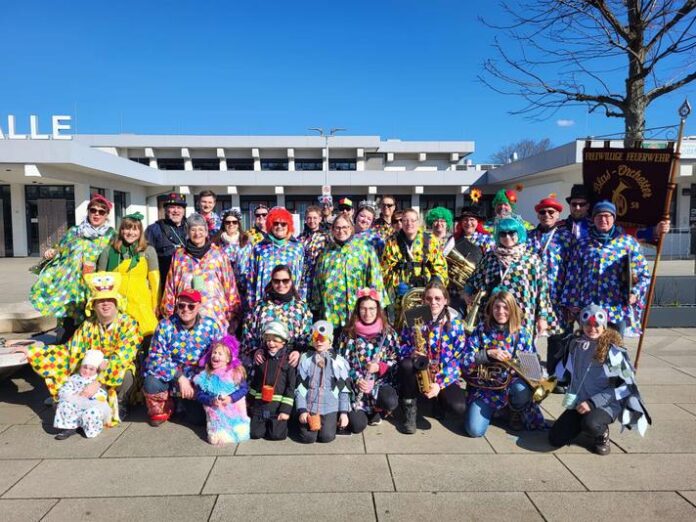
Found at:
[206, 164]
[240, 164]
[6, 221]
[309, 164]
[274, 164]
[142, 161]
[97, 190]
[431, 201]
[120, 205]
[342, 164]
[170, 163]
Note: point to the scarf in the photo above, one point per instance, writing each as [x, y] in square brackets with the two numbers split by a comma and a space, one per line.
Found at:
[602, 237]
[277, 242]
[230, 240]
[197, 252]
[86, 230]
[369, 331]
[274, 296]
[509, 255]
[126, 252]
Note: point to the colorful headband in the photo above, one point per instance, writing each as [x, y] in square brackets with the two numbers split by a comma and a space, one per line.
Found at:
[369, 292]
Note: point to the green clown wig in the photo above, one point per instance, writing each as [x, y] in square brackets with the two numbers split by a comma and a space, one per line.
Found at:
[439, 213]
[510, 224]
[505, 196]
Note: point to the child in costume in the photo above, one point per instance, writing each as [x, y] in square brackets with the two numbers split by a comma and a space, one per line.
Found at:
[323, 394]
[82, 402]
[221, 388]
[602, 385]
[272, 386]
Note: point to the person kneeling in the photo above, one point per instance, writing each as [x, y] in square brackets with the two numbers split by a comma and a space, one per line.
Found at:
[272, 386]
[322, 396]
[498, 339]
[600, 372]
[82, 402]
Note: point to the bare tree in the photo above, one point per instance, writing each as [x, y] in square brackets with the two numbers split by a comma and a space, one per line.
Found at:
[615, 55]
[522, 149]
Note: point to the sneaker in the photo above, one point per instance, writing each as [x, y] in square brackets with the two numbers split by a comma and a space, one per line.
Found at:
[515, 421]
[66, 434]
[410, 409]
[374, 420]
[602, 445]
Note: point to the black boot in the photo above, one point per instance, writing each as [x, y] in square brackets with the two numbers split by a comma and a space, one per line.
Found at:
[65, 434]
[410, 409]
[602, 445]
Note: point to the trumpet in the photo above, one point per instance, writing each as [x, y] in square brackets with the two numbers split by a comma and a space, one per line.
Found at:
[421, 361]
[472, 313]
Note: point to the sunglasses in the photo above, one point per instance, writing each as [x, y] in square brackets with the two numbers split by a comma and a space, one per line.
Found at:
[579, 205]
[546, 212]
[398, 220]
[231, 222]
[99, 211]
[186, 306]
[507, 233]
[280, 224]
[261, 215]
[388, 205]
[285, 281]
[345, 209]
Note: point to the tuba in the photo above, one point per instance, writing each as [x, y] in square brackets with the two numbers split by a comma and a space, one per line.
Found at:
[421, 362]
[410, 300]
[459, 268]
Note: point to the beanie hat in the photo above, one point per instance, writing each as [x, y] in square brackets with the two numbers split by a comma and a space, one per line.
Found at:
[92, 358]
[439, 213]
[604, 206]
[277, 329]
[511, 224]
[505, 196]
[322, 331]
[196, 220]
[593, 315]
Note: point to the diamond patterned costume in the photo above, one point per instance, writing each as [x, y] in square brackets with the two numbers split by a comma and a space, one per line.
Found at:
[265, 256]
[314, 244]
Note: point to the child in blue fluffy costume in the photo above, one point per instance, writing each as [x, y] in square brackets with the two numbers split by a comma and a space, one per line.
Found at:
[221, 387]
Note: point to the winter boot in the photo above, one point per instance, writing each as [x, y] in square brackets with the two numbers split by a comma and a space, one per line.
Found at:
[602, 445]
[515, 421]
[410, 409]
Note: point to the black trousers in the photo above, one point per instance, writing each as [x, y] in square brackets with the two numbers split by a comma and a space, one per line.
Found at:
[571, 423]
[554, 352]
[269, 429]
[327, 433]
[452, 397]
[387, 400]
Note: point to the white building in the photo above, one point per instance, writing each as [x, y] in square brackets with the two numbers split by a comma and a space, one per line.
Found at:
[46, 179]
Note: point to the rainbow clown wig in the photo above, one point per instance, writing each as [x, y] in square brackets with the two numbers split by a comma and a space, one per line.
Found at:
[280, 214]
[510, 224]
[439, 213]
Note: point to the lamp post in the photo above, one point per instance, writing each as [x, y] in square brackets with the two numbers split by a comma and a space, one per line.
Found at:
[332, 132]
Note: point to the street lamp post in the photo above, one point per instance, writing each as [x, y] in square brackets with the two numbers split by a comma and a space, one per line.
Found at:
[332, 132]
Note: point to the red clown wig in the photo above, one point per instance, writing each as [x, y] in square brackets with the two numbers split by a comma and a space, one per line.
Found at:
[280, 214]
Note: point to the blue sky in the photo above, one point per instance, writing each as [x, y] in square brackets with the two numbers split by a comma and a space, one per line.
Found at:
[398, 69]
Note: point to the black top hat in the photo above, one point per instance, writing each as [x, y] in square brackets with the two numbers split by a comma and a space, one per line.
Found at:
[175, 199]
[470, 211]
[579, 192]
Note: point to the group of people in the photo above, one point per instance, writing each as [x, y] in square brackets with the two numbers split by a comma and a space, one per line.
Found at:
[250, 330]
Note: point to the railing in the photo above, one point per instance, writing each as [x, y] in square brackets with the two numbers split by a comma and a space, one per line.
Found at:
[678, 244]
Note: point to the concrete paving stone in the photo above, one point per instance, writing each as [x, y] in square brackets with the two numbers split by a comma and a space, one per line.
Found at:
[455, 506]
[679, 361]
[652, 376]
[17, 413]
[3, 427]
[666, 412]
[667, 436]
[644, 506]
[145, 509]
[25, 510]
[632, 472]
[168, 440]
[526, 441]
[385, 438]
[689, 495]
[481, 473]
[691, 408]
[552, 406]
[649, 361]
[299, 473]
[12, 471]
[668, 393]
[106, 477]
[342, 445]
[295, 506]
[32, 441]
[689, 371]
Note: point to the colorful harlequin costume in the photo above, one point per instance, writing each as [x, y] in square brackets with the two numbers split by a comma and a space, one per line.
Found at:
[373, 238]
[214, 222]
[228, 424]
[210, 274]
[383, 228]
[519, 270]
[175, 351]
[255, 235]
[61, 291]
[237, 254]
[341, 271]
[497, 338]
[314, 244]
[119, 342]
[412, 262]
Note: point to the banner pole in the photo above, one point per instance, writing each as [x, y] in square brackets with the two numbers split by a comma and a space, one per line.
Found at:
[684, 111]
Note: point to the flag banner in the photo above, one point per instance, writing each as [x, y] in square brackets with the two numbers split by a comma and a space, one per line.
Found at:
[635, 180]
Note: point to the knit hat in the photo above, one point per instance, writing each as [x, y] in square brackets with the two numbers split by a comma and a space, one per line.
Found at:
[505, 196]
[92, 358]
[593, 315]
[511, 224]
[579, 192]
[196, 220]
[439, 213]
[103, 285]
[277, 329]
[604, 206]
[549, 202]
[175, 199]
[322, 331]
[280, 214]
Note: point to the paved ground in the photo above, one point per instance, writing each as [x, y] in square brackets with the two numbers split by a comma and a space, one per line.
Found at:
[136, 472]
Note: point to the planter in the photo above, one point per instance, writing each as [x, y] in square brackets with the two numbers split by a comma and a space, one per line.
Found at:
[683, 316]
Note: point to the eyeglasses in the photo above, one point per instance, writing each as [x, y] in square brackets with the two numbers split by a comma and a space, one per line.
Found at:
[280, 224]
[186, 306]
[397, 220]
[284, 281]
[507, 233]
[341, 229]
[262, 214]
[231, 222]
[388, 205]
[99, 211]
[578, 204]
[410, 221]
[546, 212]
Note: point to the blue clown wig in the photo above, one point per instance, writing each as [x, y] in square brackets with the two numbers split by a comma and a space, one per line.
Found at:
[510, 224]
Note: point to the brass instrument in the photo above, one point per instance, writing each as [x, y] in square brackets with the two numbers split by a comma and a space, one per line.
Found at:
[410, 300]
[459, 268]
[473, 311]
[526, 365]
[421, 362]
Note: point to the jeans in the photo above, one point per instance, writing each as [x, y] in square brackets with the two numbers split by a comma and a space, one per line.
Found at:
[478, 415]
[192, 409]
